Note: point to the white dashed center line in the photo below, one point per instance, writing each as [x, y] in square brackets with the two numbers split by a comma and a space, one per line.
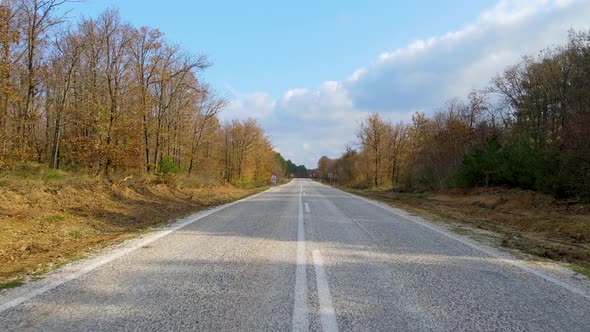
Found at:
[300, 318]
[327, 313]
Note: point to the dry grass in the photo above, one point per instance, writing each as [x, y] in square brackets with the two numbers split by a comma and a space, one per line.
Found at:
[48, 219]
[530, 222]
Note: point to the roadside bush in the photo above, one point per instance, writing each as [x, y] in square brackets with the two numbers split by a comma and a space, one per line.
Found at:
[168, 166]
[516, 164]
[479, 168]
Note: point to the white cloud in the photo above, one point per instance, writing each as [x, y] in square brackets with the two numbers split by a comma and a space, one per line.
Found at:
[357, 75]
[421, 76]
[256, 105]
[426, 72]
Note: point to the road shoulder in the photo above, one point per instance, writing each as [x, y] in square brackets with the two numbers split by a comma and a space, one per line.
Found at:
[482, 240]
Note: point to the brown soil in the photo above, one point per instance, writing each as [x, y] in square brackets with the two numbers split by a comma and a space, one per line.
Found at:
[46, 224]
[528, 221]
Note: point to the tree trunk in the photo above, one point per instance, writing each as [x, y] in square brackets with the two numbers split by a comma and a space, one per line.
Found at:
[56, 139]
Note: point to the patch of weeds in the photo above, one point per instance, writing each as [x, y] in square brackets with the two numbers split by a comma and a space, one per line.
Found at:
[55, 217]
[25, 170]
[52, 175]
[12, 283]
[3, 183]
[581, 270]
[75, 233]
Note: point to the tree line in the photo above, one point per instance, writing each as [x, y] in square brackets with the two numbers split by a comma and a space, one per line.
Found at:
[529, 128]
[291, 169]
[101, 96]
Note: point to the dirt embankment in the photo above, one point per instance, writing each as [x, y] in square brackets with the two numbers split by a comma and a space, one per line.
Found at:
[528, 221]
[45, 223]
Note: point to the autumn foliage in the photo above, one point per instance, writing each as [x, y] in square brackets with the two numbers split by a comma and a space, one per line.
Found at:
[103, 97]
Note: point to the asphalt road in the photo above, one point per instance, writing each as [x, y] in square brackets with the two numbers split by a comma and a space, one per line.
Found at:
[300, 257]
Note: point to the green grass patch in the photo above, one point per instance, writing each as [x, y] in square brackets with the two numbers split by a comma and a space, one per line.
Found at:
[583, 270]
[53, 175]
[31, 174]
[12, 283]
[55, 217]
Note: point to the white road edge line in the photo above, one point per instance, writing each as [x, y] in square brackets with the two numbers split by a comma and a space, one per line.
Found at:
[327, 312]
[101, 260]
[300, 318]
[516, 263]
[307, 208]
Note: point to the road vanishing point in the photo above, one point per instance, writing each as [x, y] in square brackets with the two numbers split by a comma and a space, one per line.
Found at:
[299, 257]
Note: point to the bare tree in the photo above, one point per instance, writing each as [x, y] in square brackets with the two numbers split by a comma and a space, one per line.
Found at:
[67, 51]
[371, 134]
[36, 18]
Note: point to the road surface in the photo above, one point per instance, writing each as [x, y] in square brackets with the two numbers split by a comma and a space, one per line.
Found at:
[300, 257]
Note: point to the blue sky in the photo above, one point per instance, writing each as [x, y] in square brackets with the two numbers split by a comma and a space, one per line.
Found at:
[274, 46]
[308, 71]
